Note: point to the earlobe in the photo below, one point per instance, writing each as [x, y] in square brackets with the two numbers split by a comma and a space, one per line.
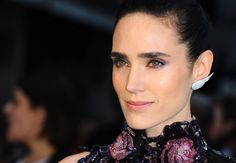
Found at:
[198, 84]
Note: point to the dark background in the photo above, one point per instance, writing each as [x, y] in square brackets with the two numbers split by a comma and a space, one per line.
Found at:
[74, 37]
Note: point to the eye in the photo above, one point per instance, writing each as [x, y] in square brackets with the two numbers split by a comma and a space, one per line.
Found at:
[156, 63]
[14, 102]
[118, 62]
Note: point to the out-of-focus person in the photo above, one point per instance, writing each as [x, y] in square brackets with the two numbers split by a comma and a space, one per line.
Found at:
[222, 132]
[39, 116]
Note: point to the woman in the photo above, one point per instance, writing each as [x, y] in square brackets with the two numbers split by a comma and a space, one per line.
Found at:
[160, 55]
[33, 121]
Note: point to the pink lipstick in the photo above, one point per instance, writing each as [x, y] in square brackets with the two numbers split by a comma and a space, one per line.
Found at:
[139, 105]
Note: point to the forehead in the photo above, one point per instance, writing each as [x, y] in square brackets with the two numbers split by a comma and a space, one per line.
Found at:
[143, 32]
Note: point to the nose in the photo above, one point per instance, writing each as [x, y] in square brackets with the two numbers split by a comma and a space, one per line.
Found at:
[135, 81]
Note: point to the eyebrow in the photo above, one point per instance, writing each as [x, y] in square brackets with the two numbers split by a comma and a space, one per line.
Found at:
[119, 55]
[152, 55]
[141, 55]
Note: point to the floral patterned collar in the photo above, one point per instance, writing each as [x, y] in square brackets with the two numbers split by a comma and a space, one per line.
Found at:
[181, 142]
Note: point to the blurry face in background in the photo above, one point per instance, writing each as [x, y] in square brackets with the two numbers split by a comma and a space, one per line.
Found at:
[24, 122]
[220, 127]
[151, 72]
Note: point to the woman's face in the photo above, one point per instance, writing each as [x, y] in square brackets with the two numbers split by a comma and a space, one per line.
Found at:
[24, 122]
[151, 72]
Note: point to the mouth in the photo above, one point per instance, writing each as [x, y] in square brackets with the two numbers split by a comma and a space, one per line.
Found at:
[139, 105]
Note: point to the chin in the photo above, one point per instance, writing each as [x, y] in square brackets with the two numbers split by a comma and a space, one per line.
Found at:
[137, 124]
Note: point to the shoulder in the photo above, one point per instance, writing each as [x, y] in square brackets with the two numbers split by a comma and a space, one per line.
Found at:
[214, 156]
[74, 158]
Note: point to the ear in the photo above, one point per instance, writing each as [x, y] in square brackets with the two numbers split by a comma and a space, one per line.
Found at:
[40, 114]
[202, 66]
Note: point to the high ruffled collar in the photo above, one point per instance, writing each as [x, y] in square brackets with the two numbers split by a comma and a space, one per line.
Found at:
[179, 142]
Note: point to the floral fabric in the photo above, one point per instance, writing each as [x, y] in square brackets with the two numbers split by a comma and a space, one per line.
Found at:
[180, 142]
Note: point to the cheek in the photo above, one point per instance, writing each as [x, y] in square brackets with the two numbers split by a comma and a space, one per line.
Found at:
[16, 129]
[20, 124]
[119, 81]
[170, 87]
[17, 118]
[174, 83]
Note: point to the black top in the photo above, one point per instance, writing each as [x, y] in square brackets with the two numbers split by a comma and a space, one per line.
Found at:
[180, 142]
[59, 155]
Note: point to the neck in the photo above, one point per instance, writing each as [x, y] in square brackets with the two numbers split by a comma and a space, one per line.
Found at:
[183, 115]
[39, 149]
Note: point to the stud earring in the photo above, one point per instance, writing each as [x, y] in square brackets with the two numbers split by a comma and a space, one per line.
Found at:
[198, 84]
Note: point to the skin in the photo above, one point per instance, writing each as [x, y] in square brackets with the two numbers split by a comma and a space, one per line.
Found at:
[164, 80]
[25, 124]
[152, 75]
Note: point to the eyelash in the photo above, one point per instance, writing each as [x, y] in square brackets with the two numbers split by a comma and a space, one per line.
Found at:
[155, 63]
[118, 62]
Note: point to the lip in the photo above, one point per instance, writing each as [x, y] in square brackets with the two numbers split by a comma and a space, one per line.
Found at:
[139, 105]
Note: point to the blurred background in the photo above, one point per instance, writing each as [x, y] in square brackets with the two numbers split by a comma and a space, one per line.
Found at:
[72, 38]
